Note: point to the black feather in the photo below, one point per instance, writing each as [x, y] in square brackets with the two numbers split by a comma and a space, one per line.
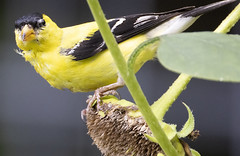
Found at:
[127, 28]
[34, 19]
[207, 8]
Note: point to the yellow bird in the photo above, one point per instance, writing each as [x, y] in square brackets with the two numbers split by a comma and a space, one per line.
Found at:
[76, 57]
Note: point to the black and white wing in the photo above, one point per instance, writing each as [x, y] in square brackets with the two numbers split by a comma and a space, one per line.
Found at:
[126, 27]
[123, 28]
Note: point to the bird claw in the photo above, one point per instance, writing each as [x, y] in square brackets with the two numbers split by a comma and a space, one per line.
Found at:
[104, 91]
[112, 92]
[99, 94]
[96, 97]
[92, 98]
[83, 114]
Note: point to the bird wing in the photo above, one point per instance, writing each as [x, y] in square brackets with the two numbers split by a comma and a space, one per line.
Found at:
[123, 28]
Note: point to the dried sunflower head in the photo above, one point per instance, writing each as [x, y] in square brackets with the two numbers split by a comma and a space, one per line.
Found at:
[118, 128]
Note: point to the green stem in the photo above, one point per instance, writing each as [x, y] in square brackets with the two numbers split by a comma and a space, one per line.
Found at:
[130, 80]
[107, 35]
[161, 106]
[230, 21]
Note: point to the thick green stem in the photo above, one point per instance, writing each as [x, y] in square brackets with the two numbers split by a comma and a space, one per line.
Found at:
[107, 35]
[161, 106]
[229, 21]
[130, 80]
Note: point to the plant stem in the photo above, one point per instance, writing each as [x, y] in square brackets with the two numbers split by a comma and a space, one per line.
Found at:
[230, 21]
[130, 80]
[161, 106]
[107, 35]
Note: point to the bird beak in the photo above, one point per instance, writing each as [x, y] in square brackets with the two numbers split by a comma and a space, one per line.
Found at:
[27, 33]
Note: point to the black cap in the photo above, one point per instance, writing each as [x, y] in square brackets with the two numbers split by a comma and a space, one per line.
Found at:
[35, 20]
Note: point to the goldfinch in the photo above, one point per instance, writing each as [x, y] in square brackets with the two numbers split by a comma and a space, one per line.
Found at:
[76, 57]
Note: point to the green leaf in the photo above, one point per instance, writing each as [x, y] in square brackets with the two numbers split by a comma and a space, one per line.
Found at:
[194, 152]
[169, 129]
[188, 126]
[153, 43]
[203, 55]
[151, 138]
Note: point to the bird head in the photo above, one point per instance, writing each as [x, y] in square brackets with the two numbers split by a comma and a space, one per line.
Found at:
[35, 32]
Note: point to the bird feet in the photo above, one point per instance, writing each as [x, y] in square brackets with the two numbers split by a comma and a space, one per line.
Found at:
[105, 90]
[101, 92]
[97, 97]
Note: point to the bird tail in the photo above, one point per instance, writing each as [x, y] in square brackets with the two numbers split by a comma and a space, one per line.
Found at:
[185, 19]
[205, 9]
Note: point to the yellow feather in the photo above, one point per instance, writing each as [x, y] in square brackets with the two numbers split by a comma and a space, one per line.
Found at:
[43, 44]
[63, 72]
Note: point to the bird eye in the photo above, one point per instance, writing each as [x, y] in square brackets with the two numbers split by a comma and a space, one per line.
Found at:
[40, 23]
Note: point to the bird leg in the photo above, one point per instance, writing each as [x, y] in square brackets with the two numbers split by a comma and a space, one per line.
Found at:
[100, 92]
[106, 90]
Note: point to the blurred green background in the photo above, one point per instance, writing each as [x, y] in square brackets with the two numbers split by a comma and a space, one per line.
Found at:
[38, 120]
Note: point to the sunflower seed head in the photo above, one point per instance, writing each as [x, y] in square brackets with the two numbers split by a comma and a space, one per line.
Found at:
[115, 131]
